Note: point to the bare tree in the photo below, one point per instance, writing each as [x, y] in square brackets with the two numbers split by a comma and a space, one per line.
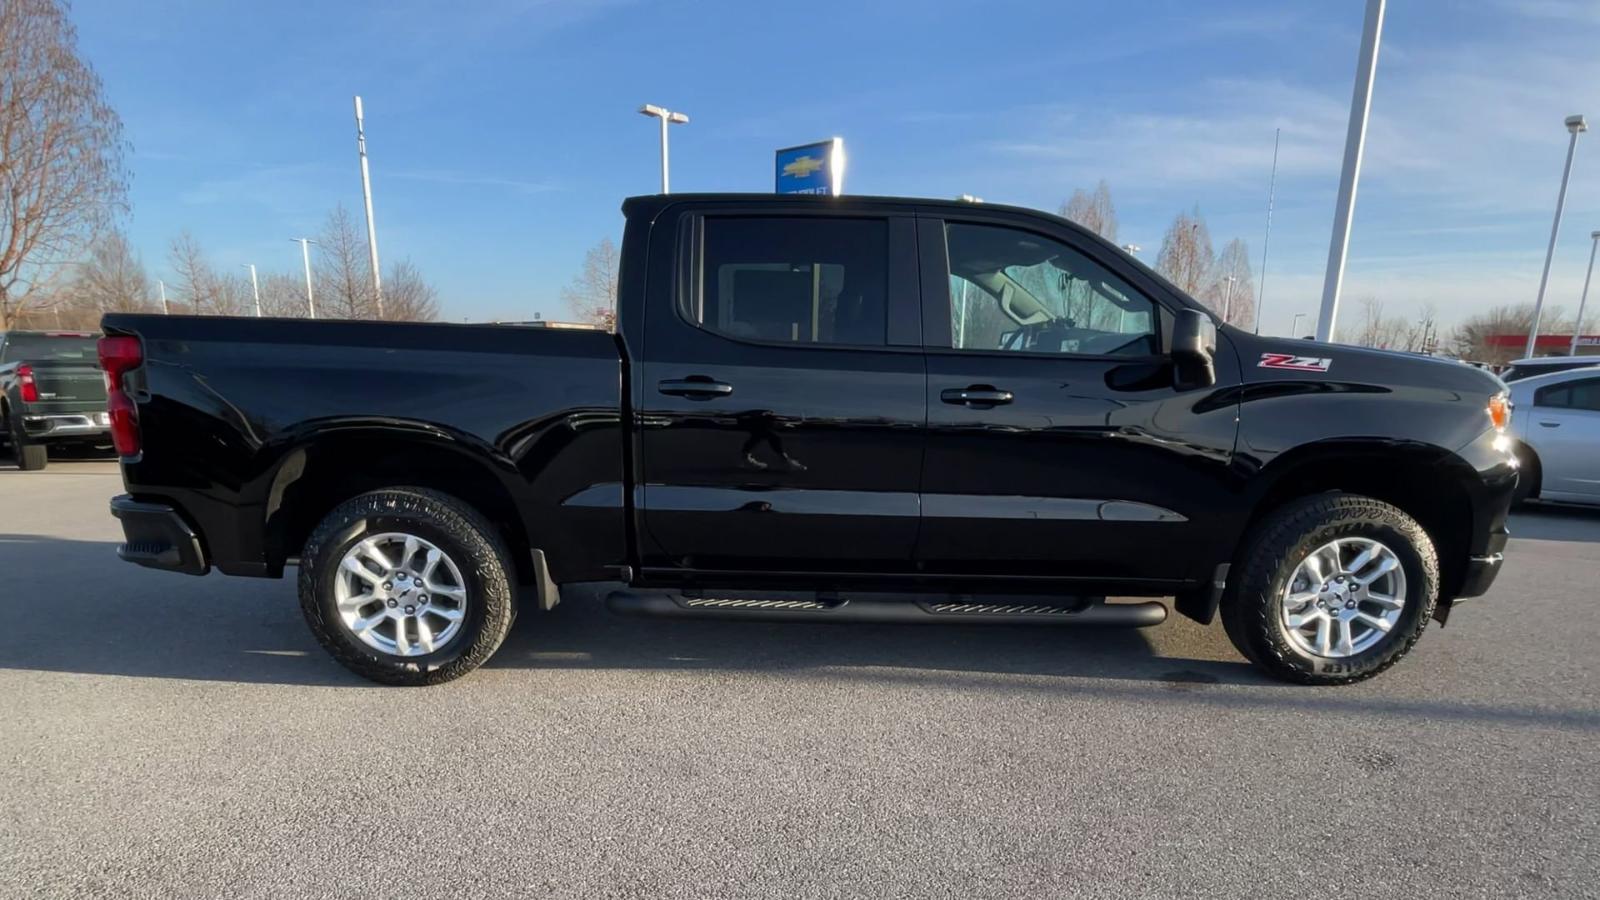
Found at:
[406, 296]
[1421, 335]
[343, 274]
[283, 295]
[1185, 257]
[1237, 304]
[1373, 328]
[1093, 211]
[111, 279]
[592, 295]
[198, 286]
[1474, 338]
[62, 178]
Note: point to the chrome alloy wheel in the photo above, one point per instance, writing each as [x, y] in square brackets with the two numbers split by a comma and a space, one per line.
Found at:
[1343, 598]
[400, 594]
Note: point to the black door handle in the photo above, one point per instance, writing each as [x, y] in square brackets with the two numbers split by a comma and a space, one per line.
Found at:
[1550, 424]
[698, 388]
[977, 395]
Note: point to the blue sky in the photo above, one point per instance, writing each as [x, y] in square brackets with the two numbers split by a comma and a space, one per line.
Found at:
[503, 134]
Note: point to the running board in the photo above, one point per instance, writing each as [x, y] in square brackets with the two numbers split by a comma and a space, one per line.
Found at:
[1014, 611]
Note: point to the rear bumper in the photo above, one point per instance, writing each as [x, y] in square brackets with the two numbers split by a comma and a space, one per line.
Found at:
[86, 425]
[158, 537]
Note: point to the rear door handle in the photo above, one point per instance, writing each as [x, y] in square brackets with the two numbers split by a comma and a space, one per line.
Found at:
[694, 388]
[1550, 424]
[977, 395]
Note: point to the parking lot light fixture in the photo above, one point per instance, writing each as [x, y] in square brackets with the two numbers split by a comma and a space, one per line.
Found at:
[1583, 299]
[667, 117]
[1575, 126]
[255, 288]
[305, 258]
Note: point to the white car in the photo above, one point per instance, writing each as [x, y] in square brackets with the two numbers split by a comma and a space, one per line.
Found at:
[1556, 423]
[1518, 369]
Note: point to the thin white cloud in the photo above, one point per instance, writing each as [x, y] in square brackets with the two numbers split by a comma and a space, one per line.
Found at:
[280, 188]
[467, 179]
[1580, 11]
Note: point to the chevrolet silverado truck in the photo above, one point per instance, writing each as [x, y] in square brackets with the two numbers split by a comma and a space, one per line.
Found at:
[828, 410]
[52, 393]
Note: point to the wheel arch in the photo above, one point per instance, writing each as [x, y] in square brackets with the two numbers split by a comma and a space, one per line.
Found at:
[324, 469]
[1532, 469]
[1427, 482]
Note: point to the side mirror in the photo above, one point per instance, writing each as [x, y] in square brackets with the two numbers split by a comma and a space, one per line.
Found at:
[1194, 347]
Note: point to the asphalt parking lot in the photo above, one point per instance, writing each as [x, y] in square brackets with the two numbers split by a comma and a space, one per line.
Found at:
[185, 737]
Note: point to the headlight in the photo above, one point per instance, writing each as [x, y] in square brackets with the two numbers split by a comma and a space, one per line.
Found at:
[1500, 411]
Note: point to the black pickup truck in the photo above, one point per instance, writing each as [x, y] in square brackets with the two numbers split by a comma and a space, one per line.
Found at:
[822, 409]
[52, 393]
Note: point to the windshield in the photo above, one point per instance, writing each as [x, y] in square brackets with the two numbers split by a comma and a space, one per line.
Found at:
[1518, 371]
[59, 347]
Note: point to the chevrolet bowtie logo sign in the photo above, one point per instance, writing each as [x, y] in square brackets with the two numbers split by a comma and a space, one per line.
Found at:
[803, 166]
[811, 168]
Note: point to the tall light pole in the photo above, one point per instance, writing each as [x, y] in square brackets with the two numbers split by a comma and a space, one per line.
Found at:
[1294, 325]
[1575, 126]
[1355, 141]
[162, 287]
[305, 257]
[667, 117]
[255, 289]
[1577, 325]
[366, 191]
[1227, 303]
[1272, 191]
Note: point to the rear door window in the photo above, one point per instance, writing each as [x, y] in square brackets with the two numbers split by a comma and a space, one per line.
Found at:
[794, 280]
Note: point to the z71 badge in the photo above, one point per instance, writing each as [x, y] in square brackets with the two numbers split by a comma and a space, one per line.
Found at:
[1297, 363]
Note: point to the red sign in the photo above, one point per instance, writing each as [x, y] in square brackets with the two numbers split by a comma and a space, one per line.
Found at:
[1545, 341]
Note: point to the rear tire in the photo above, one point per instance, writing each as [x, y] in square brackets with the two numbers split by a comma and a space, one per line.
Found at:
[1256, 605]
[29, 457]
[478, 565]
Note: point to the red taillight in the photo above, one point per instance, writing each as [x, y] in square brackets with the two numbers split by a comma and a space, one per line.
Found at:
[26, 384]
[119, 356]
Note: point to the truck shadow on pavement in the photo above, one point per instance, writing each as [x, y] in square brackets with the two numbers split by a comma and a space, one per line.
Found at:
[1556, 522]
[70, 606]
[582, 633]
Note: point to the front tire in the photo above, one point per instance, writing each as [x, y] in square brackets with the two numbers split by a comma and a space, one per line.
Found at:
[407, 586]
[1331, 589]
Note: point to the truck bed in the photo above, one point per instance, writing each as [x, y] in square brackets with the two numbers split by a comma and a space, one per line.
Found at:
[244, 413]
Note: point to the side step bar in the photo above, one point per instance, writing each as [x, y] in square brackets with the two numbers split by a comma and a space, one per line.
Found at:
[1012, 611]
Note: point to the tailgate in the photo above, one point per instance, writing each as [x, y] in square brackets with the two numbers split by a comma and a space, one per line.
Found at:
[68, 386]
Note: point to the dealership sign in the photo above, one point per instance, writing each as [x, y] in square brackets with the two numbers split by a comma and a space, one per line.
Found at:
[811, 169]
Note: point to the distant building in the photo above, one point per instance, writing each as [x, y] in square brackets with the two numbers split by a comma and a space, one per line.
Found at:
[1547, 344]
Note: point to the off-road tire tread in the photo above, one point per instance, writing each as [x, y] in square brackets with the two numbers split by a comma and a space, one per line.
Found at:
[486, 551]
[1249, 605]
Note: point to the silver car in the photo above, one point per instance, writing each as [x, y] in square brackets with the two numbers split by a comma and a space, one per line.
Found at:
[1556, 422]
